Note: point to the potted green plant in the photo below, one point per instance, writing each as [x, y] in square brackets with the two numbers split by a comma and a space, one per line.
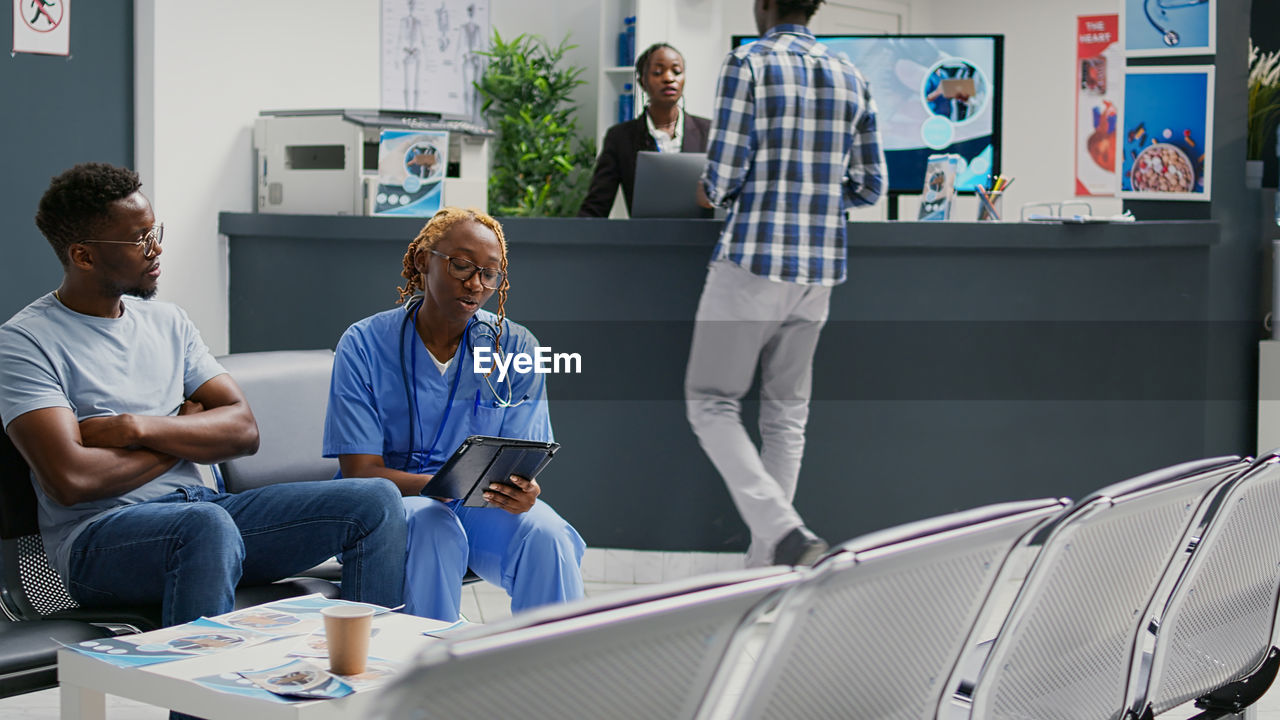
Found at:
[541, 163]
[1264, 109]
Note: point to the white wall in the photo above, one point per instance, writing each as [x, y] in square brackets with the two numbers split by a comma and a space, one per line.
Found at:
[205, 70]
[215, 65]
[700, 30]
[1039, 96]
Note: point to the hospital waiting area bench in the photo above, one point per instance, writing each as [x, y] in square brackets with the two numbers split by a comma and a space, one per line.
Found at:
[1140, 597]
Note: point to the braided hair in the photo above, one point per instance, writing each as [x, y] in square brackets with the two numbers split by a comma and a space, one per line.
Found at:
[436, 228]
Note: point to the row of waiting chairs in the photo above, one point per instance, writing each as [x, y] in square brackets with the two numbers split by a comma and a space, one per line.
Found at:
[1138, 598]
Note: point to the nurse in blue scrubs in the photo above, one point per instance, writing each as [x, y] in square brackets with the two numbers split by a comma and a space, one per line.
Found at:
[405, 394]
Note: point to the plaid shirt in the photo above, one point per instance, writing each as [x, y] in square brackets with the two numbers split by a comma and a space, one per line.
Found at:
[793, 144]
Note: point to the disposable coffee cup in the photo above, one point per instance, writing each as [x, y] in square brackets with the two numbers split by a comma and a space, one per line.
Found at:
[347, 629]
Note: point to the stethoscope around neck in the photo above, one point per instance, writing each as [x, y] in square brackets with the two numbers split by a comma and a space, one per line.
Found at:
[411, 388]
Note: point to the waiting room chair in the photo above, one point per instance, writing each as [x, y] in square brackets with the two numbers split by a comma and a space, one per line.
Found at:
[1065, 650]
[30, 588]
[648, 653]
[878, 627]
[288, 391]
[1210, 631]
[28, 651]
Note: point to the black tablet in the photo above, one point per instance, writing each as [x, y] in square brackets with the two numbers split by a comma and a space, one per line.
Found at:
[481, 461]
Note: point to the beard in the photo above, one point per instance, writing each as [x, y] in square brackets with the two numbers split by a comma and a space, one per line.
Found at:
[142, 292]
[117, 289]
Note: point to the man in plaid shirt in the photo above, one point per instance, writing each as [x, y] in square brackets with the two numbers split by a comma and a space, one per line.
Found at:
[793, 144]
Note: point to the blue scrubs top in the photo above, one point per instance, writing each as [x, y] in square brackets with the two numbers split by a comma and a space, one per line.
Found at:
[370, 400]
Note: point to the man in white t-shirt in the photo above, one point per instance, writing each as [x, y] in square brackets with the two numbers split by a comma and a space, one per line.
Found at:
[113, 398]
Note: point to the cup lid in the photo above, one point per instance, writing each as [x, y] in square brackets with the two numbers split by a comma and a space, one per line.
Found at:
[347, 611]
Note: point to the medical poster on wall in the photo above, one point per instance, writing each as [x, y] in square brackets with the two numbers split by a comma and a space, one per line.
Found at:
[1099, 88]
[42, 27]
[411, 169]
[430, 56]
[1167, 132]
[1169, 27]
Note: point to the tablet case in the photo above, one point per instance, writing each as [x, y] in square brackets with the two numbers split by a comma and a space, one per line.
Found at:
[482, 460]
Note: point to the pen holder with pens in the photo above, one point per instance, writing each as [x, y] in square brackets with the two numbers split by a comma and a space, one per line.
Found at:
[990, 204]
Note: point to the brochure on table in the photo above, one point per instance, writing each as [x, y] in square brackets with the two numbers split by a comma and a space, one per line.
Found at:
[296, 671]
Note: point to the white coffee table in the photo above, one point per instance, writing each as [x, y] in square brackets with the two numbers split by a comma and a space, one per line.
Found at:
[86, 681]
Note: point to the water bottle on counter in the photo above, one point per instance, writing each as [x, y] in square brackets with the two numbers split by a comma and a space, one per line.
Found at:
[626, 104]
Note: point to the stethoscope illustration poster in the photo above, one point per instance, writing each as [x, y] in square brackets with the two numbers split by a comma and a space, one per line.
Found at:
[1169, 27]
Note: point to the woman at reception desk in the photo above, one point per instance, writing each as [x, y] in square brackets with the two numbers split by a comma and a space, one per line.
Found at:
[663, 126]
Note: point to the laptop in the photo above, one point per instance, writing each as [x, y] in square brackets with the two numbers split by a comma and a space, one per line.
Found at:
[667, 185]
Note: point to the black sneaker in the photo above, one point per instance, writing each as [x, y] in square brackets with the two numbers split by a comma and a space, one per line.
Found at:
[799, 547]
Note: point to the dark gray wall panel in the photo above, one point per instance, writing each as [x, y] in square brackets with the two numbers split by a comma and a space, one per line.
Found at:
[59, 111]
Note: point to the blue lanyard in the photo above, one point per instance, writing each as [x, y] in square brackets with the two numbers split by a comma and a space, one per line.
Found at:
[460, 355]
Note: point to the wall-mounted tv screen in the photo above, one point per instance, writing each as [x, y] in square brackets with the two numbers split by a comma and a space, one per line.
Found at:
[934, 94]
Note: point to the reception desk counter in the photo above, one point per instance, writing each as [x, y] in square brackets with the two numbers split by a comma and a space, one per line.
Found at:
[963, 363]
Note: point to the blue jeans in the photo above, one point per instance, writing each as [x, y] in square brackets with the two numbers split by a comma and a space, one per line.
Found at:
[189, 549]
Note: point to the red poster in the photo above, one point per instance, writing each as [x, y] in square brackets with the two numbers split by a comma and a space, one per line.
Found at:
[1099, 76]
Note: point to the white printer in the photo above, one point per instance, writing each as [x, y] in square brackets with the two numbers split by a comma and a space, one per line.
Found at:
[325, 162]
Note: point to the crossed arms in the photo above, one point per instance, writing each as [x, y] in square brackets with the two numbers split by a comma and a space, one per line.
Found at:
[101, 457]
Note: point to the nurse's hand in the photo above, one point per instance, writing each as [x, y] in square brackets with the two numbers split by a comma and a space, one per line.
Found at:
[515, 499]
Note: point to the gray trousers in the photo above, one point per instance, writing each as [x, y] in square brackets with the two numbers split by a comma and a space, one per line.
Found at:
[744, 320]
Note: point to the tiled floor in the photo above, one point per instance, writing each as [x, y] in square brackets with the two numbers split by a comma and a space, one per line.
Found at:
[604, 571]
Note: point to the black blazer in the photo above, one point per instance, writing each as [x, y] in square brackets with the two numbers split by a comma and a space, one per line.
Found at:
[617, 161]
